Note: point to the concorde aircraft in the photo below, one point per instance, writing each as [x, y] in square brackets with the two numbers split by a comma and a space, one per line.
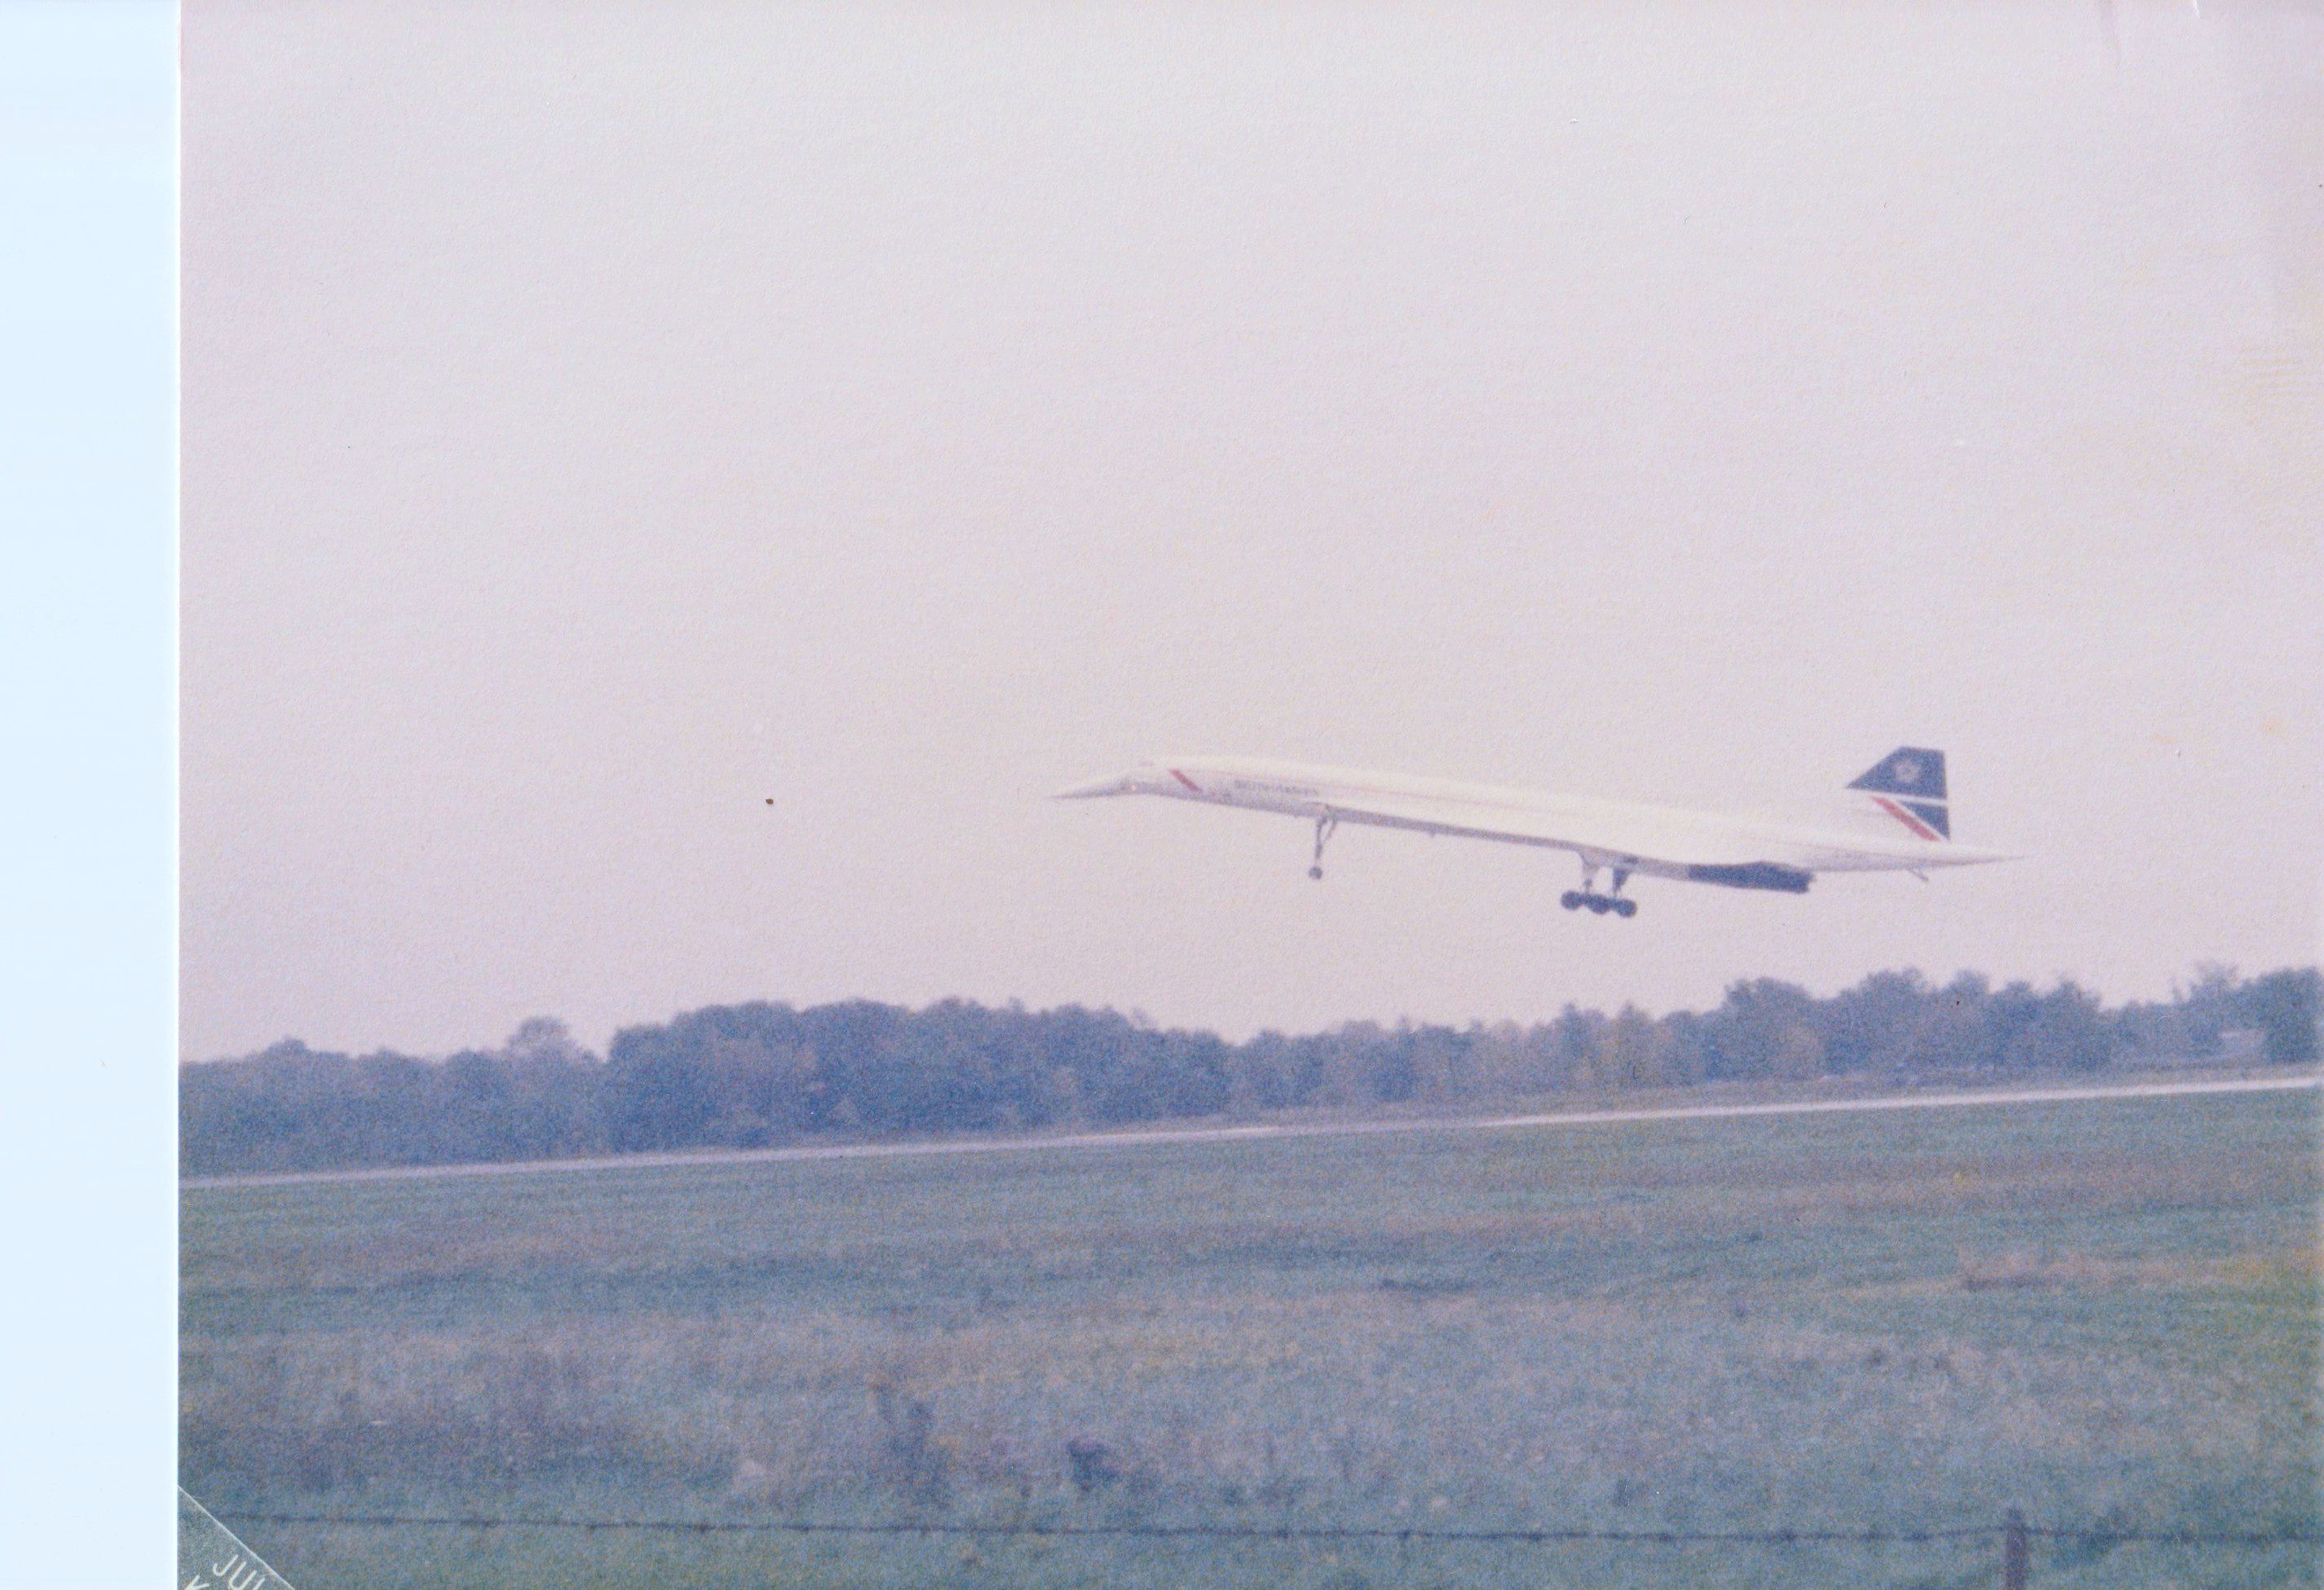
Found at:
[1894, 818]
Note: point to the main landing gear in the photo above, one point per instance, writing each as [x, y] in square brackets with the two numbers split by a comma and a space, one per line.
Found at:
[1588, 894]
[1325, 827]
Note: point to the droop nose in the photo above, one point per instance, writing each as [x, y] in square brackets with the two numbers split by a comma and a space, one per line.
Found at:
[1116, 785]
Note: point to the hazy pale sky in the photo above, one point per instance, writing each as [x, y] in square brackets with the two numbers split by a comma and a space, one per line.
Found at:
[601, 418]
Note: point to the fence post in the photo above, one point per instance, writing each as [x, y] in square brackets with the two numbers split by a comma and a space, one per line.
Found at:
[2013, 1552]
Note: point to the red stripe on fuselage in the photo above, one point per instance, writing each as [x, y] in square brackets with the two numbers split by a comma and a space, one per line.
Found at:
[1189, 782]
[1907, 818]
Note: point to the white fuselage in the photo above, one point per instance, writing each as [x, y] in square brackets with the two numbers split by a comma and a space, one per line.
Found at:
[1740, 850]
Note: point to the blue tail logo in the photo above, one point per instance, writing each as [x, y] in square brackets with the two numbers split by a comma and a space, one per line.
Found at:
[1909, 785]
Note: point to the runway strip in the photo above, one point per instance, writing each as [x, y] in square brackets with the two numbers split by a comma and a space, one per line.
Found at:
[1139, 1139]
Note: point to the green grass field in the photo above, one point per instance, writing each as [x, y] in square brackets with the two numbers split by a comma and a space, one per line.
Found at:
[2105, 1314]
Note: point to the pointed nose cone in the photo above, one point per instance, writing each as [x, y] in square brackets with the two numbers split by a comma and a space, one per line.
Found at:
[1116, 785]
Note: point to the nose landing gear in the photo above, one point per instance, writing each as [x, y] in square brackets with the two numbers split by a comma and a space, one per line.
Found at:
[1325, 827]
[1598, 904]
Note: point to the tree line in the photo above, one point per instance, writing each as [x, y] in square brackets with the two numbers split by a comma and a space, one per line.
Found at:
[760, 1074]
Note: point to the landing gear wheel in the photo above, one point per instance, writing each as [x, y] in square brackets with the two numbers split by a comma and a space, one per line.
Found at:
[1626, 908]
[1571, 900]
[1325, 825]
[1599, 903]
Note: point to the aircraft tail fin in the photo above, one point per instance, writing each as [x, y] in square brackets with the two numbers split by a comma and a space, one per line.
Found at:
[1908, 785]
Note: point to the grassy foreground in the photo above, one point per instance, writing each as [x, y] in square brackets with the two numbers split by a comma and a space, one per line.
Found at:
[2104, 1313]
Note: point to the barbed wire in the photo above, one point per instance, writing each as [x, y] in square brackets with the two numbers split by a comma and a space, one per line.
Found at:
[1517, 1535]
